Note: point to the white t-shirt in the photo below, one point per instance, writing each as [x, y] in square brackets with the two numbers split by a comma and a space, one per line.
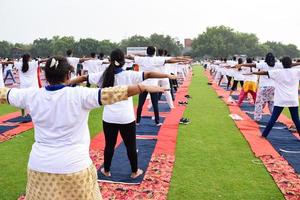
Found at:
[121, 112]
[230, 71]
[92, 66]
[286, 87]
[73, 61]
[1, 77]
[247, 70]
[265, 81]
[61, 132]
[238, 75]
[148, 64]
[30, 78]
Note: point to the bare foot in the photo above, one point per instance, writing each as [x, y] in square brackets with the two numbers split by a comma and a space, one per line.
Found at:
[137, 174]
[107, 174]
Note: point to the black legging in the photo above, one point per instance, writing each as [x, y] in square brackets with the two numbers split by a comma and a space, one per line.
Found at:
[128, 134]
[235, 83]
[154, 100]
[228, 81]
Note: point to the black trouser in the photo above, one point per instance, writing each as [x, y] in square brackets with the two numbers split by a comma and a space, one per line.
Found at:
[228, 81]
[172, 89]
[235, 83]
[154, 100]
[88, 83]
[128, 135]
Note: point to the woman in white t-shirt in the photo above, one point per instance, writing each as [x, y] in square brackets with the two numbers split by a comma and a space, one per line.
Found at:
[266, 88]
[59, 164]
[120, 116]
[28, 73]
[286, 92]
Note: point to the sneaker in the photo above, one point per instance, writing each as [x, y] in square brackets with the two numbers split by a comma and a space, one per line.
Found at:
[159, 124]
[182, 103]
[184, 121]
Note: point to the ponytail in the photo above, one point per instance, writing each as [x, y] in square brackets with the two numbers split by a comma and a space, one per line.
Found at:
[109, 76]
[25, 65]
[117, 60]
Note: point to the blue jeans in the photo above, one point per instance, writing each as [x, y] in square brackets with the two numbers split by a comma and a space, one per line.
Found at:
[275, 114]
[9, 72]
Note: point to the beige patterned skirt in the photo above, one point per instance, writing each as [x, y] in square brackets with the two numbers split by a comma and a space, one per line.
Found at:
[81, 185]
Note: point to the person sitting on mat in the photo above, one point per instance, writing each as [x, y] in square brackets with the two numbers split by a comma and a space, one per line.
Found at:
[286, 92]
[60, 158]
[119, 116]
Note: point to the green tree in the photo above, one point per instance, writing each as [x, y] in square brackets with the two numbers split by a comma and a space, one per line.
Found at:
[62, 44]
[106, 46]
[85, 46]
[134, 41]
[166, 42]
[42, 47]
[214, 42]
[5, 48]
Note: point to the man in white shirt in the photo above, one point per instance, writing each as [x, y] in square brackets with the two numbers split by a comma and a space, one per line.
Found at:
[151, 63]
[74, 61]
[93, 65]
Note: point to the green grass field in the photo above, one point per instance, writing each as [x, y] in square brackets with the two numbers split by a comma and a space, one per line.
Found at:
[5, 109]
[213, 160]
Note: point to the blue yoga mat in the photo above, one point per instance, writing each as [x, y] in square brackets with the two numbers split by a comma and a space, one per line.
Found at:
[163, 98]
[120, 166]
[287, 145]
[162, 107]
[283, 141]
[20, 119]
[148, 126]
[3, 129]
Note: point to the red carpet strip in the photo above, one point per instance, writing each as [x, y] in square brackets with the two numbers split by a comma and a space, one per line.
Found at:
[287, 180]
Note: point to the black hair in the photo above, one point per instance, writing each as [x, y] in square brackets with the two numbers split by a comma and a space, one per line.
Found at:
[160, 52]
[240, 61]
[166, 52]
[69, 52]
[117, 60]
[57, 74]
[150, 50]
[25, 60]
[225, 59]
[270, 59]
[286, 62]
[101, 56]
[234, 58]
[249, 60]
[93, 54]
